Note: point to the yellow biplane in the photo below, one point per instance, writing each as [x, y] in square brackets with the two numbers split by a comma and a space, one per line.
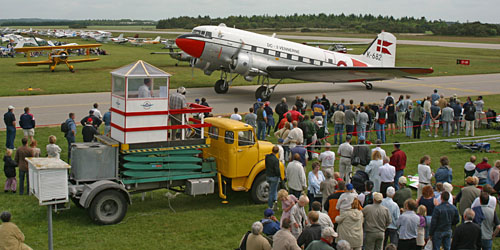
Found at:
[57, 55]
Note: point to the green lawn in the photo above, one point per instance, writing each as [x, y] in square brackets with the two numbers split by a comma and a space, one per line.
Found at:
[198, 223]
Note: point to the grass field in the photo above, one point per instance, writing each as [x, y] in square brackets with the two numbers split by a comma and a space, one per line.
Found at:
[198, 223]
[95, 77]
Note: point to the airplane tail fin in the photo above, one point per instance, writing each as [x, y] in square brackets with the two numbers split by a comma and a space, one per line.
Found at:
[120, 36]
[19, 44]
[382, 51]
[50, 43]
[157, 39]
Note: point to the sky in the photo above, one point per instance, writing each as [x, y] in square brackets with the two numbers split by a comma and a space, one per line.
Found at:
[448, 10]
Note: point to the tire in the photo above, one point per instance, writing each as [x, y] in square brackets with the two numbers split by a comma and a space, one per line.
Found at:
[108, 207]
[261, 93]
[260, 189]
[369, 86]
[76, 202]
[221, 87]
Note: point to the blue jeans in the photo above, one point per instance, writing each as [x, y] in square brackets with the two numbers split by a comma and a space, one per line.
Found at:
[273, 190]
[362, 131]
[270, 124]
[380, 129]
[22, 176]
[349, 129]
[11, 136]
[70, 139]
[486, 244]
[399, 173]
[338, 130]
[261, 130]
[427, 120]
[441, 238]
[447, 129]
[409, 127]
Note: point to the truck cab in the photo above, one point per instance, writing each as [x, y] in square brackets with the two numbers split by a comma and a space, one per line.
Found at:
[239, 157]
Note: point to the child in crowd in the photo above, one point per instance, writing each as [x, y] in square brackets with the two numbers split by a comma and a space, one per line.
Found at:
[336, 176]
[298, 217]
[53, 150]
[438, 190]
[421, 212]
[36, 151]
[287, 202]
[9, 170]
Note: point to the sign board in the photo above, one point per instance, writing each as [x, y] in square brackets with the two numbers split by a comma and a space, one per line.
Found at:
[463, 62]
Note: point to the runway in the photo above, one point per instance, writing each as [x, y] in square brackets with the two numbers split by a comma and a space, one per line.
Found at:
[54, 109]
[345, 39]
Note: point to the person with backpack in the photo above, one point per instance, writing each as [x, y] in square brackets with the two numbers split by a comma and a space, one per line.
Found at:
[69, 130]
[380, 118]
[361, 155]
[366, 197]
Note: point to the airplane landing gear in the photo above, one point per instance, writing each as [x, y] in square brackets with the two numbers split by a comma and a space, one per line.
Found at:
[221, 87]
[368, 85]
[264, 93]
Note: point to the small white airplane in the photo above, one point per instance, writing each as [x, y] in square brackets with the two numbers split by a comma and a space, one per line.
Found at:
[239, 52]
[119, 39]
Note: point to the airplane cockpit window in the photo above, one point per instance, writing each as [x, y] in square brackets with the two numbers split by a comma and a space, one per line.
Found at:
[202, 33]
[196, 32]
[208, 34]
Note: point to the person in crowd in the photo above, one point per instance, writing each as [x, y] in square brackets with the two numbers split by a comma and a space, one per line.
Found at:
[36, 150]
[419, 118]
[314, 179]
[10, 124]
[344, 245]
[430, 202]
[349, 119]
[468, 234]
[424, 174]
[21, 154]
[338, 129]
[442, 102]
[387, 173]
[378, 147]
[457, 117]
[270, 117]
[482, 169]
[310, 233]
[400, 114]
[447, 118]
[96, 110]
[298, 216]
[203, 103]
[270, 223]
[345, 152]
[366, 197]
[389, 99]
[323, 219]
[273, 176]
[235, 116]
[71, 134]
[492, 201]
[409, 122]
[470, 166]
[96, 122]
[309, 134]
[294, 113]
[107, 123]
[89, 131]
[373, 169]
[422, 213]
[391, 118]
[251, 118]
[345, 199]
[438, 190]
[332, 200]
[261, 123]
[380, 120]
[9, 169]
[318, 110]
[280, 109]
[427, 104]
[407, 225]
[488, 221]
[444, 217]
[328, 236]
[287, 202]
[479, 105]
[284, 238]
[494, 175]
[391, 233]
[398, 160]
[296, 176]
[11, 236]
[295, 136]
[469, 112]
[467, 195]
[302, 152]
[376, 220]
[327, 158]
[350, 226]
[361, 152]
[448, 188]
[435, 119]
[254, 239]
[404, 193]
[327, 187]
[444, 173]
[27, 123]
[362, 120]
[435, 96]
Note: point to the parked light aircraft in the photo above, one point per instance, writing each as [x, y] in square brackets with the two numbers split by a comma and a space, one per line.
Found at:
[141, 41]
[119, 39]
[251, 55]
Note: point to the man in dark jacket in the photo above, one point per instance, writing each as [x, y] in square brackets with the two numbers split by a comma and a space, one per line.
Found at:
[398, 160]
[468, 234]
[457, 117]
[20, 159]
[310, 233]
[9, 171]
[443, 218]
[470, 116]
[363, 152]
[27, 123]
[96, 122]
[89, 131]
[273, 175]
[10, 124]
[280, 109]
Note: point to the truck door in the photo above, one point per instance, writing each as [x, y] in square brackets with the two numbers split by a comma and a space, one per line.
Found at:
[247, 152]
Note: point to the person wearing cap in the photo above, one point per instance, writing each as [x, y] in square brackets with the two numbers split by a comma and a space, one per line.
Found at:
[387, 173]
[417, 116]
[27, 123]
[145, 90]
[312, 232]
[376, 220]
[398, 160]
[404, 193]
[345, 199]
[435, 118]
[270, 223]
[362, 120]
[10, 123]
[328, 236]
[11, 236]
[177, 101]
[350, 226]
[89, 131]
[345, 152]
[197, 101]
[273, 175]
[362, 151]
[254, 239]
[467, 195]
[96, 122]
[284, 239]
[257, 105]
[444, 217]
[298, 216]
[261, 123]
[407, 225]
[392, 230]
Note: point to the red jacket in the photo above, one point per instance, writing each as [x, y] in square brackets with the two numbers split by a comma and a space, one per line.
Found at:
[295, 115]
[398, 159]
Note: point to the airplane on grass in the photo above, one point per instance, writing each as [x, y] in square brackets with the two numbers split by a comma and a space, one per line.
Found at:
[142, 41]
[57, 55]
[119, 39]
[238, 52]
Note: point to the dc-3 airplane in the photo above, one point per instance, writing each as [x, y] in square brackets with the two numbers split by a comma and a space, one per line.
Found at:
[239, 52]
[57, 55]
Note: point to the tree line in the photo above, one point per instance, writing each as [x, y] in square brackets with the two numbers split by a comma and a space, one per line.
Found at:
[352, 23]
[74, 23]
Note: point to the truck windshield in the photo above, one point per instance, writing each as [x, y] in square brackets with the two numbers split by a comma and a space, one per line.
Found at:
[245, 138]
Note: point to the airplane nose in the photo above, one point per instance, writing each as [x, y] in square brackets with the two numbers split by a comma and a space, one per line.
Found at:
[191, 46]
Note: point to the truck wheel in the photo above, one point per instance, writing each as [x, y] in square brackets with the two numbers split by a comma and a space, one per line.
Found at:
[76, 202]
[260, 189]
[108, 207]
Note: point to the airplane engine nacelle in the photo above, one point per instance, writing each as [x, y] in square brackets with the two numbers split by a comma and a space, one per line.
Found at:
[241, 64]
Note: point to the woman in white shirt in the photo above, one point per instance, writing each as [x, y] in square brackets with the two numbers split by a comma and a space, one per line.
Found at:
[424, 174]
[314, 178]
[373, 169]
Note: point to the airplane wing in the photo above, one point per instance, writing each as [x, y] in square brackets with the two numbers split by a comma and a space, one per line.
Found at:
[42, 48]
[166, 53]
[35, 63]
[343, 74]
[333, 43]
[83, 60]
